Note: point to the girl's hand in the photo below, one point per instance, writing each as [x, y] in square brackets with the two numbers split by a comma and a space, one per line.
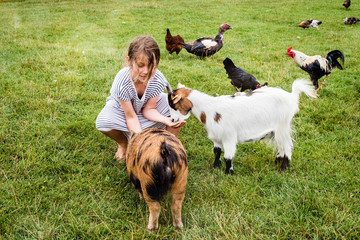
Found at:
[168, 122]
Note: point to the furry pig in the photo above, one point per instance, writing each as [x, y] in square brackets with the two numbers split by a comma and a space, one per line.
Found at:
[157, 164]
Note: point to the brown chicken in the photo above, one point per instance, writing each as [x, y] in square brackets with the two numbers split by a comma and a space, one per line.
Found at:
[172, 43]
[305, 24]
[346, 4]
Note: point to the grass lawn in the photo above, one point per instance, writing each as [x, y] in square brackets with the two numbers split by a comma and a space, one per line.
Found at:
[58, 175]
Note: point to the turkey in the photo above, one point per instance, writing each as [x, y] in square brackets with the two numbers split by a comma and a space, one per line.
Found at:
[206, 46]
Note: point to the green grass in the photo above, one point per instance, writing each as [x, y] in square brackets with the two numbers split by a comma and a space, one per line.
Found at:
[58, 177]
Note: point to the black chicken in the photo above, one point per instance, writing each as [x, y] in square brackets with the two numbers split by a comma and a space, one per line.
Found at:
[351, 20]
[206, 46]
[241, 79]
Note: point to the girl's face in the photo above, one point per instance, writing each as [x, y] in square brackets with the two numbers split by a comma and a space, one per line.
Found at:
[140, 68]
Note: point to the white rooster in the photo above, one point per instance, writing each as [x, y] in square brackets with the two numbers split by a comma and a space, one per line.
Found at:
[317, 66]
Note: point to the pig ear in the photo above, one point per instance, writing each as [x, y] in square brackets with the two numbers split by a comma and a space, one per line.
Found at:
[179, 85]
[132, 134]
[176, 99]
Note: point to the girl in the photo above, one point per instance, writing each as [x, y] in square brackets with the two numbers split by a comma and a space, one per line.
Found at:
[137, 100]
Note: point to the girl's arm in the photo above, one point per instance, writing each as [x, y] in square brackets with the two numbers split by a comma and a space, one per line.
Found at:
[149, 111]
[132, 121]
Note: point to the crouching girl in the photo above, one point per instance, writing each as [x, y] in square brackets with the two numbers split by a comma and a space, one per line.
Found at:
[137, 100]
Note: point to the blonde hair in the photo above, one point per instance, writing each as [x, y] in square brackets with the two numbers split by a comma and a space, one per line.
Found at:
[148, 46]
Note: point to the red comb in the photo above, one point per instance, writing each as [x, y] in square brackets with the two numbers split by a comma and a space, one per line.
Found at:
[289, 49]
[224, 25]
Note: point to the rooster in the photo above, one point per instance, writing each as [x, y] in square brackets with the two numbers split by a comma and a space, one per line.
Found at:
[240, 79]
[172, 43]
[351, 20]
[305, 24]
[206, 46]
[317, 66]
[346, 4]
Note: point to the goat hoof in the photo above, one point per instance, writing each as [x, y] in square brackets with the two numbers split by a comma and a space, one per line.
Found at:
[283, 168]
[285, 165]
[217, 164]
[230, 171]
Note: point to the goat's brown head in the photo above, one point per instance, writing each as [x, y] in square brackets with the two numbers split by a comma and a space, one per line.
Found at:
[180, 105]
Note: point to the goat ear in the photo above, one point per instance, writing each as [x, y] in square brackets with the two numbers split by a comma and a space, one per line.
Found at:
[168, 88]
[179, 85]
[176, 99]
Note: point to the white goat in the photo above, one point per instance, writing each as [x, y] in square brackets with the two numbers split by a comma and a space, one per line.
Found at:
[248, 117]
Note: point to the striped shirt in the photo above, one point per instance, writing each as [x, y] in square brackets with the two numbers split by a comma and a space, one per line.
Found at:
[113, 117]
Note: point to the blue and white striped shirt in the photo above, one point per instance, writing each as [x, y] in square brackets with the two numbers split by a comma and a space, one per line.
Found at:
[113, 117]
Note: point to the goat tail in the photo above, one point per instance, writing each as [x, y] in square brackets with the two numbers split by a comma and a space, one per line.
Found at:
[303, 86]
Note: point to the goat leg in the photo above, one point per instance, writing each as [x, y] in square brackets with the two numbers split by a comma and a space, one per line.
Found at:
[285, 162]
[229, 166]
[217, 162]
[278, 159]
